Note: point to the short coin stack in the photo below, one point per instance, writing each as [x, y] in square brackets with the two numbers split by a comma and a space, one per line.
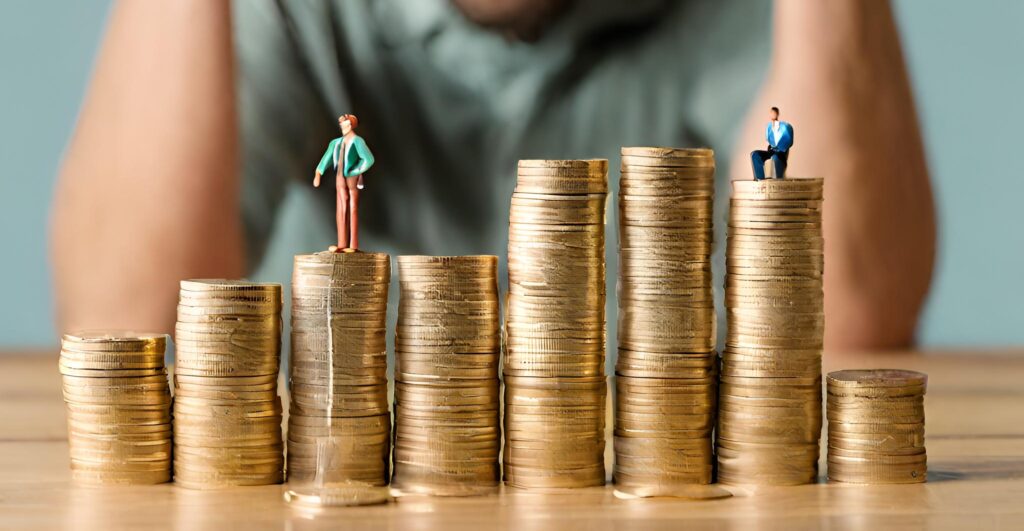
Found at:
[339, 426]
[447, 347]
[769, 418]
[555, 388]
[227, 413]
[666, 374]
[876, 426]
[118, 405]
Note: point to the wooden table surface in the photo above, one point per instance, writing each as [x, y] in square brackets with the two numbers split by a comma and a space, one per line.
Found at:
[975, 440]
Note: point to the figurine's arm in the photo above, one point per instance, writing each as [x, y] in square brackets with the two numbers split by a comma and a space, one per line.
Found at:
[837, 71]
[149, 194]
[326, 160]
[365, 155]
[786, 140]
[367, 160]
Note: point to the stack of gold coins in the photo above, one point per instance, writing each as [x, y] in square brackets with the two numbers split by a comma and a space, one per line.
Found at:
[227, 413]
[666, 373]
[118, 405]
[555, 386]
[770, 394]
[339, 425]
[447, 346]
[876, 426]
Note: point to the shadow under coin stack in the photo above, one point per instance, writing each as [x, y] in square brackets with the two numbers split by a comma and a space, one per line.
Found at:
[876, 426]
[118, 405]
[666, 374]
[555, 388]
[339, 426]
[769, 418]
[447, 347]
[227, 413]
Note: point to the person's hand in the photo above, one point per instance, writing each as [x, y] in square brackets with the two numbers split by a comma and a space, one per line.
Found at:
[316, 180]
[359, 182]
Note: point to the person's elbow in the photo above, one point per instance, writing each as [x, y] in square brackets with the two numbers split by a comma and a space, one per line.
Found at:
[875, 302]
[865, 325]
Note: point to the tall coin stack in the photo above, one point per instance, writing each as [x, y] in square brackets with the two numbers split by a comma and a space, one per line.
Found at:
[339, 425]
[876, 426]
[227, 413]
[666, 374]
[555, 388]
[769, 418]
[118, 405]
[447, 347]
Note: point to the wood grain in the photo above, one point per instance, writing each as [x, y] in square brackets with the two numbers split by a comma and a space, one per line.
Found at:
[975, 427]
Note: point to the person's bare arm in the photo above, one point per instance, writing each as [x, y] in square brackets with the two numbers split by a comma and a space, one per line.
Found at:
[148, 192]
[838, 76]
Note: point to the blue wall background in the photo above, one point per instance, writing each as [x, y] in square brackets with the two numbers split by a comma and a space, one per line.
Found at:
[964, 61]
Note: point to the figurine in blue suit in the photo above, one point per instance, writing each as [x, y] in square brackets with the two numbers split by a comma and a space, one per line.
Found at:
[780, 139]
[349, 158]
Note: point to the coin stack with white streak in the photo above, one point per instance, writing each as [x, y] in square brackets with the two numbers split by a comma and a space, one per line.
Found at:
[666, 373]
[227, 413]
[555, 385]
[339, 424]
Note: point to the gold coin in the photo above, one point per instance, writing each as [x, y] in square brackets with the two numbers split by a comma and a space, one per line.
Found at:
[667, 152]
[768, 186]
[685, 161]
[876, 378]
[115, 340]
[590, 165]
[202, 285]
[119, 477]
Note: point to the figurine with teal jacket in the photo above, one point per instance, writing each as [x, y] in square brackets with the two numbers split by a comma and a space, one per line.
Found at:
[349, 158]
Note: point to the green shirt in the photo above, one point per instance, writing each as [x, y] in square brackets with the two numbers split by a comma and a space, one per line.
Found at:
[449, 108]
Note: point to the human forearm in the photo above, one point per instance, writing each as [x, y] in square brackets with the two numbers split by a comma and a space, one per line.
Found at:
[148, 193]
[837, 74]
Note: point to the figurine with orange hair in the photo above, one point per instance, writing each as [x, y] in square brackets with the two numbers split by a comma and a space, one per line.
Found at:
[349, 158]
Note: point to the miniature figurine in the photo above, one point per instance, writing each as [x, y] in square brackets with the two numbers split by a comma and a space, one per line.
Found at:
[349, 158]
[780, 139]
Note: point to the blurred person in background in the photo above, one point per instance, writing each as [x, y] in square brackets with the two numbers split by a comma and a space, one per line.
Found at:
[200, 112]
